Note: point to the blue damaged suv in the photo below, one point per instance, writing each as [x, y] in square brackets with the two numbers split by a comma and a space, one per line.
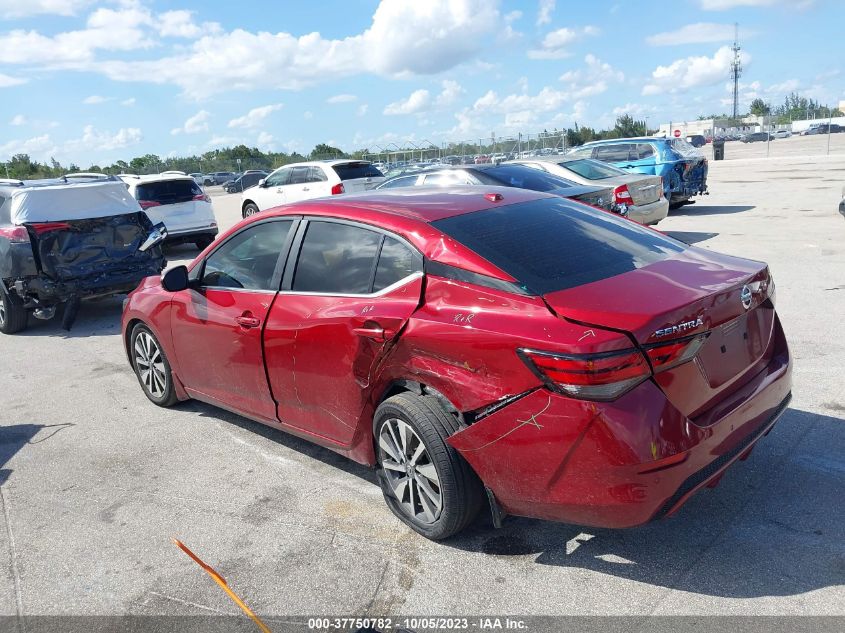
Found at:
[682, 167]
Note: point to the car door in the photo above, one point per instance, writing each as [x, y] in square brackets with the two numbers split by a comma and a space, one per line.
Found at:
[273, 192]
[217, 323]
[642, 159]
[340, 310]
[299, 184]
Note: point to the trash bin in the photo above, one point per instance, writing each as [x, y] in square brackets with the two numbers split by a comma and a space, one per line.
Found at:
[718, 149]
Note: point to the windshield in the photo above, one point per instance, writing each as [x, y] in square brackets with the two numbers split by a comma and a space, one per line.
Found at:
[552, 244]
[523, 177]
[591, 169]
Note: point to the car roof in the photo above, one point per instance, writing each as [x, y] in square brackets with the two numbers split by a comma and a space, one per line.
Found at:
[138, 180]
[627, 139]
[421, 204]
[324, 163]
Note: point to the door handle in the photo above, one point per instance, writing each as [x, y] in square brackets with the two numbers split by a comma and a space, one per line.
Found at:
[375, 332]
[247, 321]
[306, 189]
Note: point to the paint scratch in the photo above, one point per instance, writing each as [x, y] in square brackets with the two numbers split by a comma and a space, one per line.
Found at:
[530, 421]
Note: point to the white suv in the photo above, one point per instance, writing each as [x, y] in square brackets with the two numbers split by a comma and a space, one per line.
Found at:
[316, 179]
[179, 202]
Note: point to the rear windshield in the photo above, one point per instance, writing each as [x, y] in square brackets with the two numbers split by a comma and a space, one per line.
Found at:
[351, 171]
[683, 148]
[168, 191]
[592, 169]
[524, 178]
[553, 244]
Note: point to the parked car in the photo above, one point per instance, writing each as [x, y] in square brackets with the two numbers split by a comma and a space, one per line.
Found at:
[781, 134]
[198, 178]
[218, 177]
[481, 347]
[697, 140]
[62, 241]
[823, 128]
[508, 175]
[642, 196]
[682, 167]
[247, 180]
[87, 176]
[179, 202]
[753, 137]
[316, 179]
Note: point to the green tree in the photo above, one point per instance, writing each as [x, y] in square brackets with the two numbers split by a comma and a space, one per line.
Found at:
[760, 107]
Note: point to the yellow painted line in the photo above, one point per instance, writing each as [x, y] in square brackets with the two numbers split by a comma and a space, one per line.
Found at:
[222, 582]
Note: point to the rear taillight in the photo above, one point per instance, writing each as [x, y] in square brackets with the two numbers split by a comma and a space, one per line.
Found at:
[45, 227]
[15, 234]
[621, 195]
[337, 189]
[146, 204]
[202, 197]
[589, 376]
[673, 353]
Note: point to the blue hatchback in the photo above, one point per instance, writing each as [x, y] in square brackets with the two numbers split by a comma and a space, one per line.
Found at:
[682, 167]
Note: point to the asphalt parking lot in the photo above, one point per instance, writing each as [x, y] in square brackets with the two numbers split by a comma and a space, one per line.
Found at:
[96, 480]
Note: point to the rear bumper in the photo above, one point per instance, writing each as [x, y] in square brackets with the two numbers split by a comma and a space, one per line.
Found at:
[619, 464]
[189, 235]
[44, 291]
[650, 213]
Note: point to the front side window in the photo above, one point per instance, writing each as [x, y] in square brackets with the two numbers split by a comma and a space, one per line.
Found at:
[248, 260]
[614, 153]
[404, 181]
[336, 259]
[278, 178]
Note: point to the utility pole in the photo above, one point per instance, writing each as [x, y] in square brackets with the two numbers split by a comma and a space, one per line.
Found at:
[736, 70]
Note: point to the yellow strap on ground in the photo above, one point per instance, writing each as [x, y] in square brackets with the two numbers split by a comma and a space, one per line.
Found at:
[221, 581]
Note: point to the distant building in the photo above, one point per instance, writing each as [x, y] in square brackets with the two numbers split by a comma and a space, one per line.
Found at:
[712, 127]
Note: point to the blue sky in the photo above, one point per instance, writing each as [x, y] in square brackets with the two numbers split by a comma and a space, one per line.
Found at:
[92, 82]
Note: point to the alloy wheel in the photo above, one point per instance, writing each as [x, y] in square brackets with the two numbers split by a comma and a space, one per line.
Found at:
[150, 364]
[2, 309]
[410, 471]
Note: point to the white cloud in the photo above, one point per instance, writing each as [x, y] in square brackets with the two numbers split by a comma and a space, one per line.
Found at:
[412, 38]
[343, 98]
[692, 72]
[544, 14]
[636, 110]
[308, 115]
[783, 87]
[591, 80]
[17, 9]
[555, 44]
[254, 117]
[452, 91]
[698, 33]
[37, 146]
[128, 102]
[417, 101]
[362, 109]
[264, 139]
[7, 81]
[94, 100]
[194, 125]
[180, 23]
[93, 139]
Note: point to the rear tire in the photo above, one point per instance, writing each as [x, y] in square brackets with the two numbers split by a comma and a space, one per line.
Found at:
[13, 316]
[250, 209]
[152, 367]
[425, 482]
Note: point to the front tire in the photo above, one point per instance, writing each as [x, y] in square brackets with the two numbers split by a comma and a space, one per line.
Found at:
[152, 367]
[425, 482]
[250, 208]
[13, 316]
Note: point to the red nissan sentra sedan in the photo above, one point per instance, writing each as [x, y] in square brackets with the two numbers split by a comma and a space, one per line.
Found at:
[501, 347]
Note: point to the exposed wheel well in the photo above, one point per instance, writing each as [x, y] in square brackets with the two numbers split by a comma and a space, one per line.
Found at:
[246, 202]
[128, 335]
[421, 389]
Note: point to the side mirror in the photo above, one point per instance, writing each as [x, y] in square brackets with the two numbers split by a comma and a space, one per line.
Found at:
[175, 279]
[156, 236]
[262, 182]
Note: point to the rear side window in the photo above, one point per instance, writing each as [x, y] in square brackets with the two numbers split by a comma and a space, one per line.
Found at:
[403, 181]
[351, 171]
[299, 175]
[168, 191]
[396, 261]
[336, 258]
[644, 150]
[248, 260]
[553, 244]
[315, 174]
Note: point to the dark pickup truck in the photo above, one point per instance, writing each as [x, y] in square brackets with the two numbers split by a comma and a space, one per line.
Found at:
[62, 241]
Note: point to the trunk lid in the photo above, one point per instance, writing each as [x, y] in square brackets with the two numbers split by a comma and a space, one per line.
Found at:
[690, 293]
[76, 250]
[601, 197]
[645, 190]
